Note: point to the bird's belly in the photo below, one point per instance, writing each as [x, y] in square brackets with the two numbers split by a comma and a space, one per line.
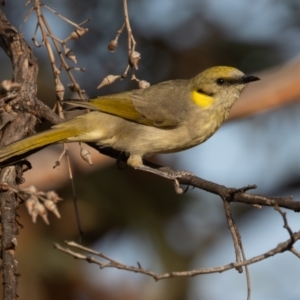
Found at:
[135, 138]
[145, 140]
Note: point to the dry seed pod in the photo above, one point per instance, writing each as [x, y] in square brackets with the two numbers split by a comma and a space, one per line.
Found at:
[82, 31]
[59, 88]
[112, 46]
[109, 79]
[30, 204]
[41, 210]
[31, 207]
[73, 87]
[134, 59]
[30, 190]
[34, 216]
[51, 195]
[143, 84]
[86, 155]
[51, 206]
[70, 55]
[77, 34]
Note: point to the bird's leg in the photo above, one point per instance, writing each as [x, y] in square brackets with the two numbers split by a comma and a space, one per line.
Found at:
[136, 163]
[169, 174]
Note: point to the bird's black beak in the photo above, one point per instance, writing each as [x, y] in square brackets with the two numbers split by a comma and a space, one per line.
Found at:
[247, 79]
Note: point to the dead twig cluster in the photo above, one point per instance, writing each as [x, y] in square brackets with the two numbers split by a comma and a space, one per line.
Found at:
[134, 57]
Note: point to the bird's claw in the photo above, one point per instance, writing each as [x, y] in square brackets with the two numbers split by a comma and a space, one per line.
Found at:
[169, 174]
[177, 175]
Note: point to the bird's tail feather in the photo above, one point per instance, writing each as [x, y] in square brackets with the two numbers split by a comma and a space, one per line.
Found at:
[20, 149]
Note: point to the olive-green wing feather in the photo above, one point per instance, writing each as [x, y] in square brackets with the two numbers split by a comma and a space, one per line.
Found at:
[117, 104]
[165, 103]
[156, 106]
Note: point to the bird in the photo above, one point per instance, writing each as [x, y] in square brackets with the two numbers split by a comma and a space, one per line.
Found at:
[167, 117]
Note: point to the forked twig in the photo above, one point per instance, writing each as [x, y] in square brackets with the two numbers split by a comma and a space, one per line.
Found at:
[111, 263]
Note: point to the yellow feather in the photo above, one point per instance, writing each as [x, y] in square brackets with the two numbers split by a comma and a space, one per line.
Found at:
[115, 105]
[201, 99]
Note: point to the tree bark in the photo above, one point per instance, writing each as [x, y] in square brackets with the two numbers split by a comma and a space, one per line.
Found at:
[20, 112]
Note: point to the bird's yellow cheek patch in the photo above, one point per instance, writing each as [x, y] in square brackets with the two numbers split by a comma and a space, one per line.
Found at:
[202, 99]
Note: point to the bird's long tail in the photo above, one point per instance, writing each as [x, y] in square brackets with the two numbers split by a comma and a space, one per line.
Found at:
[22, 148]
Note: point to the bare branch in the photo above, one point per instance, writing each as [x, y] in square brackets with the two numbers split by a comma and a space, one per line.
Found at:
[294, 251]
[111, 263]
[234, 233]
[285, 223]
[231, 194]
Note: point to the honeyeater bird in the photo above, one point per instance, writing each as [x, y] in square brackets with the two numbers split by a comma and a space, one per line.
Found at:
[167, 117]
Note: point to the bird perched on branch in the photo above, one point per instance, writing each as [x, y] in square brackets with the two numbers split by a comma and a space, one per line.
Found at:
[167, 117]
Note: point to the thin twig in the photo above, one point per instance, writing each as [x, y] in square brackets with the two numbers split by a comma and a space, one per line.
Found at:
[43, 22]
[294, 251]
[233, 230]
[71, 177]
[280, 248]
[248, 279]
[131, 40]
[285, 223]
[64, 18]
[74, 196]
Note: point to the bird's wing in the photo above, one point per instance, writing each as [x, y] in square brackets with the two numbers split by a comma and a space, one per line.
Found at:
[145, 106]
[116, 104]
[162, 103]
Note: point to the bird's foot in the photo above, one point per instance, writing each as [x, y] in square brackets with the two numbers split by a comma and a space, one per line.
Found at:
[175, 175]
[169, 174]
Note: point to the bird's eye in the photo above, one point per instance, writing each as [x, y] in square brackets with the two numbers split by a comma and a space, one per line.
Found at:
[220, 81]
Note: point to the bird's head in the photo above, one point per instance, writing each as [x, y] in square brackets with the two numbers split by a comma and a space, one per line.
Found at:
[219, 85]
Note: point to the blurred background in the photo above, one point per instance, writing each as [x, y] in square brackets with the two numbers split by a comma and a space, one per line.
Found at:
[132, 216]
